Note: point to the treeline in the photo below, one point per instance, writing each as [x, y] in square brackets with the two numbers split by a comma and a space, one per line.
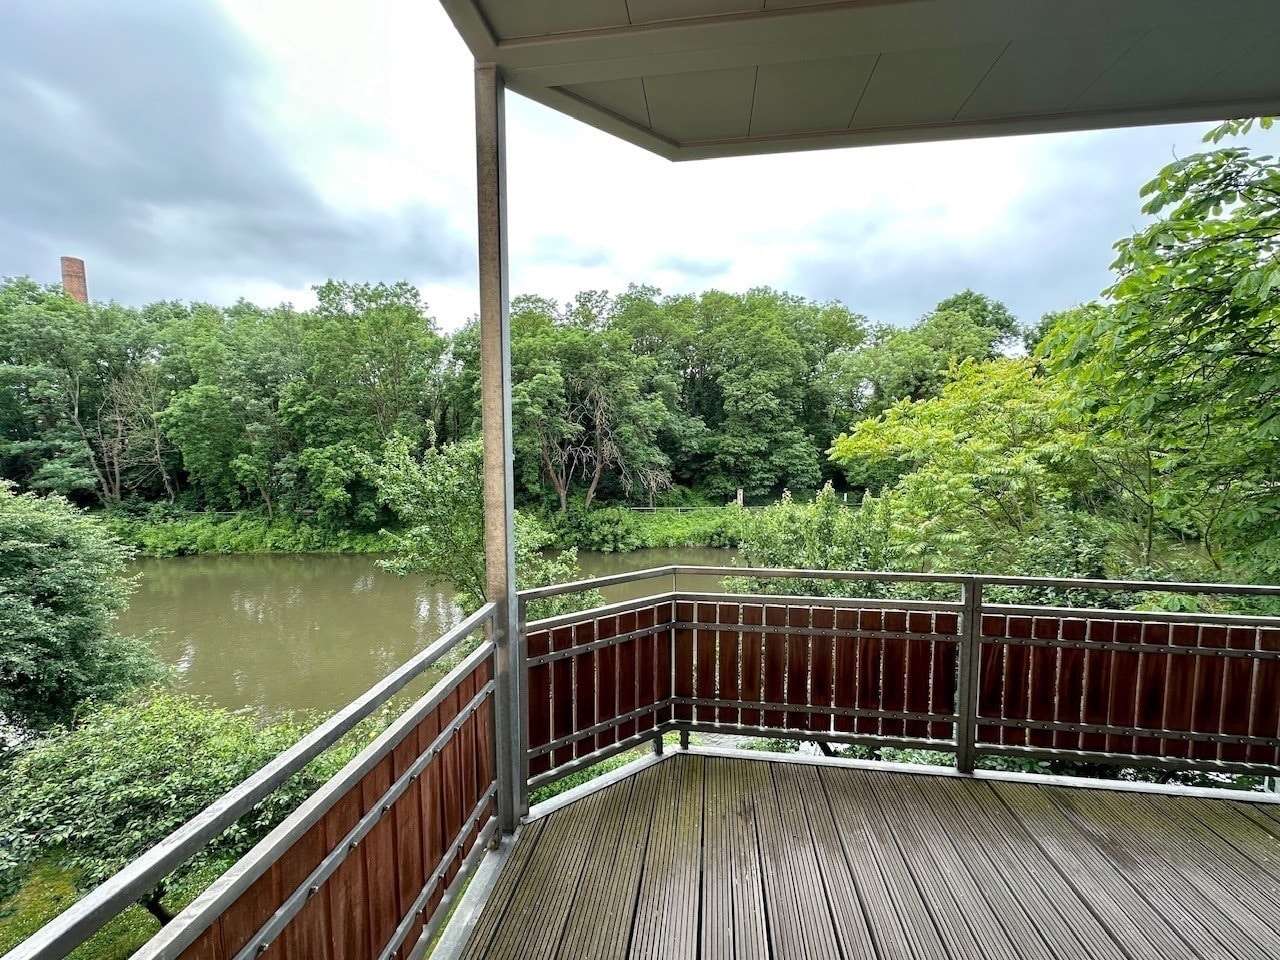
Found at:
[640, 397]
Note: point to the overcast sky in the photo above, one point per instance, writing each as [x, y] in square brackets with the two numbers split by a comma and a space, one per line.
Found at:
[228, 148]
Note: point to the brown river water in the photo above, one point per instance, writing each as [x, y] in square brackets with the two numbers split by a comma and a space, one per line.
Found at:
[311, 632]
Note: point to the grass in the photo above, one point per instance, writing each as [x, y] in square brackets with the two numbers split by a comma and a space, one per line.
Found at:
[50, 888]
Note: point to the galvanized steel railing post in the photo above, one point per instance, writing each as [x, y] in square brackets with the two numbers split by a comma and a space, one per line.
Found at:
[521, 719]
[967, 666]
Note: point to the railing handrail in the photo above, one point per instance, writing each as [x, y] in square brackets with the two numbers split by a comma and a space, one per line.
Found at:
[81, 920]
[903, 576]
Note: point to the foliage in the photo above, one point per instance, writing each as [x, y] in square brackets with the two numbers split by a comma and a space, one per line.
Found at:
[1190, 353]
[439, 497]
[61, 586]
[175, 534]
[95, 796]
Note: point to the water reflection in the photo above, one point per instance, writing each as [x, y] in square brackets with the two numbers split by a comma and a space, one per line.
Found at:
[311, 632]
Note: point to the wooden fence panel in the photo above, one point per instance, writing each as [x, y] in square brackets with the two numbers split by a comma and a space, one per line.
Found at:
[355, 912]
[797, 681]
[605, 684]
[579, 678]
[752, 653]
[684, 661]
[946, 661]
[844, 682]
[538, 678]
[627, 678]
[727, 641]
[705, 662]
[821, 665]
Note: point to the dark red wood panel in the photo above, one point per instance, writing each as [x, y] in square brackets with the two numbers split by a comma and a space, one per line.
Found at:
[1070, 684]
[1042, 679]
[563, 672]
[822, 666]
[1097, 683]
[581, 714]
[917, 670]
[538, 643]
[627, 679]
[751, 651]
[705, 663]
[727, 661]
[893, 672]
[845, 670]
[1265, 715]
[1152, 688]
[1016, 672]
[684, 661]
[663, 649]
[797, 668]
[1238, 693]
[773, 682]
[1180, 680]
[606, 683]
[942, 692]
[1122, 697]
[870, 665]
[990, 692]
[356, 911]
[646, 667]
[1206, 711]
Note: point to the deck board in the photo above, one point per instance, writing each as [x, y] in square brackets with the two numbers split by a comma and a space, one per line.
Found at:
[712, 858]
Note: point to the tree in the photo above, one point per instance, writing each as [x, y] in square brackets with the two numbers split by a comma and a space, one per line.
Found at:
[439, 497]
[96, 796]
[993, 470]
[69, 364]
[587, 408]
[61, 585]
[1191, 351]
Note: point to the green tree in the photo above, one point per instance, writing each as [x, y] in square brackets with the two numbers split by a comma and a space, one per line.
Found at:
[61, 585]
[439, 497]
[96, 796]
[993, 470]
[1191, 351]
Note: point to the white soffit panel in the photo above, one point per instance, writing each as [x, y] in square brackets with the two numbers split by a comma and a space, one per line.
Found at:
[699, 78]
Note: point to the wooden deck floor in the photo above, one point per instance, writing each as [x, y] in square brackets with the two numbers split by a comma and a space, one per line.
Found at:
[710, 858]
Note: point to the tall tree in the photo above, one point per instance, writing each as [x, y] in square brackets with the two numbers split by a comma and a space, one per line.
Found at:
[1191, 351]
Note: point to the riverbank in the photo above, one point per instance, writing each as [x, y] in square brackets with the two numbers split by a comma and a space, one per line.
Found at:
[606, 529]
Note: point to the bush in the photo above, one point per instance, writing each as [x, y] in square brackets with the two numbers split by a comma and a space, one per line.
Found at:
[94, 797]
[175, 535]
[61, 585]
[620, 530]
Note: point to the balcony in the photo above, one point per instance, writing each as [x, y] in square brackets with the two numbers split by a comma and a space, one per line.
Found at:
[718, 852]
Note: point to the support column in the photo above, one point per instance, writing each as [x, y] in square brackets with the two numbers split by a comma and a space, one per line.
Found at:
[495, 402]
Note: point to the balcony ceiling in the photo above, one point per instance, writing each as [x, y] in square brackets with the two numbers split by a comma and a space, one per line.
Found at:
[689, 79]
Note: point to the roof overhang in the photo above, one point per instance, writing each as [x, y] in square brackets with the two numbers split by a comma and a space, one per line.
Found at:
[690, 79]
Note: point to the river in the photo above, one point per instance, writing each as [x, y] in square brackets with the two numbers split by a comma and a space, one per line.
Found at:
[310, 632]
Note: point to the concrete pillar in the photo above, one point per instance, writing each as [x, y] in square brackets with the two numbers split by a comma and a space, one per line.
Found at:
[495, 402]
[73, 282]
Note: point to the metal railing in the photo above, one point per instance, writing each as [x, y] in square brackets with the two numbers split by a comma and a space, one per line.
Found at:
[965, 676]
[962, 675]
[79, 922]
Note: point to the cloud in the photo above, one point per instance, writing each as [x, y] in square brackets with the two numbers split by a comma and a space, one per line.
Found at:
[131, 138]
[227, 148]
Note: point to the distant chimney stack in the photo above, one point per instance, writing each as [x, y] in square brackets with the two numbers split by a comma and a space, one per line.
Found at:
[73, 283]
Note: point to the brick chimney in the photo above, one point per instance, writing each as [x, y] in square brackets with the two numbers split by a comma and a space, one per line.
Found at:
[73, 283]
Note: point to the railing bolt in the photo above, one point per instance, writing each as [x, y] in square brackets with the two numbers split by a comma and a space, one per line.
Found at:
[313, 890]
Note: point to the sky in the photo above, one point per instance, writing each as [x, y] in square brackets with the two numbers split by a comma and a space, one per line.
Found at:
[252, 148]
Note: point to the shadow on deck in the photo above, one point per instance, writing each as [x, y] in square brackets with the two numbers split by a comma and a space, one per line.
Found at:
[718, 857]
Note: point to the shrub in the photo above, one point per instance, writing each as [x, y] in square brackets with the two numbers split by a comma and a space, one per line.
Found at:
[61, 585]
[94, 797]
